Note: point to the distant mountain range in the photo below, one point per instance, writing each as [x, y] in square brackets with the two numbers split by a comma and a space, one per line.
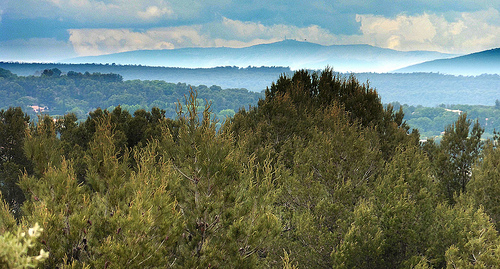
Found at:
[484, 62]
[290, 53]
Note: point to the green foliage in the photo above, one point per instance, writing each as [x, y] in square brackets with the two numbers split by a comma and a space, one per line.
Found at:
[287, 264]
[484, 187]
[458, 150]
[4, 73]
[330, 134]
[290, 101]
[7, 220]
[431, 121]
[13, 127]
[394, 132]
[80, 94]
[362, 246]
[298, 180]
[54, 72]
[390, 230]
[55, 200]
[405, 196]
[225, 197]
[41, 145]
[305, 89]
[14, 249]
[133, 219]
[186, 198]
[469, 236]
[328, 178]
[226, 114]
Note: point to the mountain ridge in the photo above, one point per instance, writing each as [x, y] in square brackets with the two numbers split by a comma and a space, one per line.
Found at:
[292, 53]
[477, 63]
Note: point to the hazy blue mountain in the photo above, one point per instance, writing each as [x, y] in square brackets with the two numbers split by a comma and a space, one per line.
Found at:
[291, 53]
[484, 62]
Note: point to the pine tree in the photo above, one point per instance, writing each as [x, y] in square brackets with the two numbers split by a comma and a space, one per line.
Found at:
[484, 187]
[42, 147]
[328, 133]
[330, 171]
[13, 127]
[390, 228]
[405, 200]
[116, 217]
[458, 151]
[362, 246]
[7, 220]
[224, 195]
[57, 202]
[477, 244]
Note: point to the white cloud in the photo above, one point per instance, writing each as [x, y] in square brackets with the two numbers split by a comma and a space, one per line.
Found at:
[249, 31]
[103, 41]
[471, 31]
[152, 12]
[228, 33]
[465, 33]
[398, 32]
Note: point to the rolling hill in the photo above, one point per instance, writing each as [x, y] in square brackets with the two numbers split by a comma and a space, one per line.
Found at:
[291, 53]
[484, 62]
[427, 89]
[253, 78]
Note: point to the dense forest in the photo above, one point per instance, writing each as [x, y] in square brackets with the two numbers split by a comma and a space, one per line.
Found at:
[57, 93]
[253, 78]
[431, 121]
[425, 89]
[319, 174]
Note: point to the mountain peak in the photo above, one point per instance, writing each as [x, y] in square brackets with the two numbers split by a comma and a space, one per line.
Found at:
[291, 43]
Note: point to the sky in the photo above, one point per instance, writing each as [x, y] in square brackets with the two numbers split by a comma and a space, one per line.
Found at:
[52, 30]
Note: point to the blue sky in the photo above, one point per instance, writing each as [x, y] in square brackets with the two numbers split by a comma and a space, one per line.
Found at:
[51, 30]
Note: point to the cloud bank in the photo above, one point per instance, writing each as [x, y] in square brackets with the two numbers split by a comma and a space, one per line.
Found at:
[94, 27]
[227, 32]
[470, 31]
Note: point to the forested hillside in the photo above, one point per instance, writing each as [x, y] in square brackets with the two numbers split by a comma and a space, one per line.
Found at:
[56, 93]
[254, 79]
[425, 89]
[431, 121]
[319, 174]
